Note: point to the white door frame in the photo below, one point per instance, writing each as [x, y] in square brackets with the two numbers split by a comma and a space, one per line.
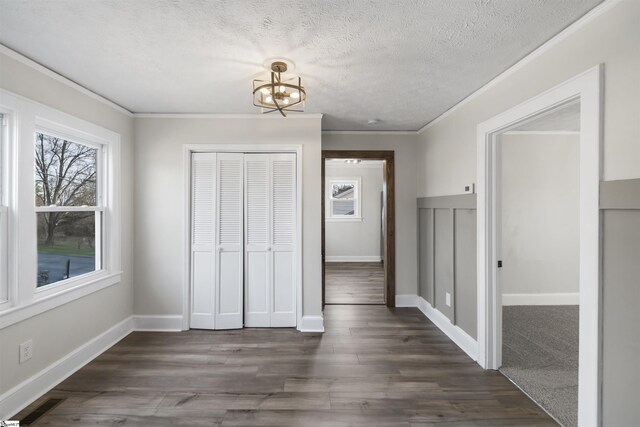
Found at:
[587, 87]
[189, 149]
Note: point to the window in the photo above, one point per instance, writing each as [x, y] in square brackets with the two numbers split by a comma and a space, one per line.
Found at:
[59, 208]
[343, 199]
[4, 217]
[68, 208]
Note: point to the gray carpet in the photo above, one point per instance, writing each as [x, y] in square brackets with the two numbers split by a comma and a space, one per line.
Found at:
[540, 355]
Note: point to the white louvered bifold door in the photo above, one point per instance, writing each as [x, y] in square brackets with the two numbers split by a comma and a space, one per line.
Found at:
[229, 241]
[258, 259]
[203, 250]
[283, 240]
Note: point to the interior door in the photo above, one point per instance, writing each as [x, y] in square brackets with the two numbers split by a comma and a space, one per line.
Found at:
[258, 259]
[203, 250]
[283, 239]
[229, 241]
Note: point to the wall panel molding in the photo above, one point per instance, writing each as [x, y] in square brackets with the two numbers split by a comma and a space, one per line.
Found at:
[620, 213]
[622, 194]
[446, 258]
[458, 201]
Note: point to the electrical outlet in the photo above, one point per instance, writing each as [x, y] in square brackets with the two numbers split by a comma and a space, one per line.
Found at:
[26, 351]
[470, 189]
[448, 299]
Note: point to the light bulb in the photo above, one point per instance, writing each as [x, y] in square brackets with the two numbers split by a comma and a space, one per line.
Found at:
[282, 88]
[265, 91]
[295, 95]
[286, 101]
[269, 100]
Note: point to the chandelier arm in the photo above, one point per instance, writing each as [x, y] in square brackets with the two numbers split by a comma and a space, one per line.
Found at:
[279, 107]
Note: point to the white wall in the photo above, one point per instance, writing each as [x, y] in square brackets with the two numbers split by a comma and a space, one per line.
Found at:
[404, 146]
[357, 240]
[58, 332]
[447, 148]
[540, 215]
[159, 199]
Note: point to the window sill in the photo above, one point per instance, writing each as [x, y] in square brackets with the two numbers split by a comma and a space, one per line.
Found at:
[345, 219]
[37, 306]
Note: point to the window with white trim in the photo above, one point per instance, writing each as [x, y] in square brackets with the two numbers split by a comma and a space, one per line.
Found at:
[343, 199]
[60, 180]
[68, 207]
[4, 215]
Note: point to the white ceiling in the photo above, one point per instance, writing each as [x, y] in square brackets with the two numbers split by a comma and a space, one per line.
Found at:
[401, 61]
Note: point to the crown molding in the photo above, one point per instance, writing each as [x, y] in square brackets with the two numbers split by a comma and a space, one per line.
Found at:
[225, 116]
[568, 31]
[62, 79]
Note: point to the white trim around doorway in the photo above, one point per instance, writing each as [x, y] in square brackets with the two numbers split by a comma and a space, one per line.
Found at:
[587, 88]
[189, 149]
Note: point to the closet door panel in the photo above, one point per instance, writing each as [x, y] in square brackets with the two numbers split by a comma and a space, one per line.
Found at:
[283, 238]
[258, 256]
[229, 241]
[203, 176]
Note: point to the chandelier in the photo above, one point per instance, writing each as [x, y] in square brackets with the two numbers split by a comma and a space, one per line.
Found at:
[279, 94]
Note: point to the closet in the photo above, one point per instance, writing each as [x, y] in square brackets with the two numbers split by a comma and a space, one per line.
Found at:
[243, 240]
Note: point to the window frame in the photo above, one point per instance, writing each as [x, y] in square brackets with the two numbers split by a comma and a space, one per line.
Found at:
[357, 215]
[26, 117]
[99, 207]
[6, 292]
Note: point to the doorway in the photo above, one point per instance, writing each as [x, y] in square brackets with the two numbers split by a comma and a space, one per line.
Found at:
[584, 91]
[539, 211]
[358, 218]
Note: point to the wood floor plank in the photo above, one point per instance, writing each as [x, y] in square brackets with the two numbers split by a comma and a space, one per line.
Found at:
[354, 283]
[374, 366]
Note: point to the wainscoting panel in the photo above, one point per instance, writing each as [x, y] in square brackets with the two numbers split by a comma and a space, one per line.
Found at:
[443, 245]
[425, 266]
[447, 257]
[620, 207]
[465, 291]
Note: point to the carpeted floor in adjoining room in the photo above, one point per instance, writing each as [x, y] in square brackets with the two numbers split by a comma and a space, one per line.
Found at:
[540, 355]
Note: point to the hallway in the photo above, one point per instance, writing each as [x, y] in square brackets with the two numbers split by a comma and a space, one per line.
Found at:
[372, 366]
[354, 283]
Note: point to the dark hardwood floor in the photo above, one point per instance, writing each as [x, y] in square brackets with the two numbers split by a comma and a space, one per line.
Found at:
[374, 366]
[354, 283]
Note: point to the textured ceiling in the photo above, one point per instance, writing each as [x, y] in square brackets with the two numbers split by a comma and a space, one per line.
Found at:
[401, 61]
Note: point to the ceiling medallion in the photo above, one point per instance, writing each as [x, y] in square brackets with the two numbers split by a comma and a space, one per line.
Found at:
[279, 94]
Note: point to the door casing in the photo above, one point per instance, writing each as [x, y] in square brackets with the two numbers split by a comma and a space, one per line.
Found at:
[187, 151]
[587, 88]
[390, 235]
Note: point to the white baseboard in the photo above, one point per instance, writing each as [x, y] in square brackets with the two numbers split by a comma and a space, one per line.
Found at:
[312, 324]
[457, 335]
[541, 299]
[172, 323]
[406, 300]
[338, 258]
[22, 395]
